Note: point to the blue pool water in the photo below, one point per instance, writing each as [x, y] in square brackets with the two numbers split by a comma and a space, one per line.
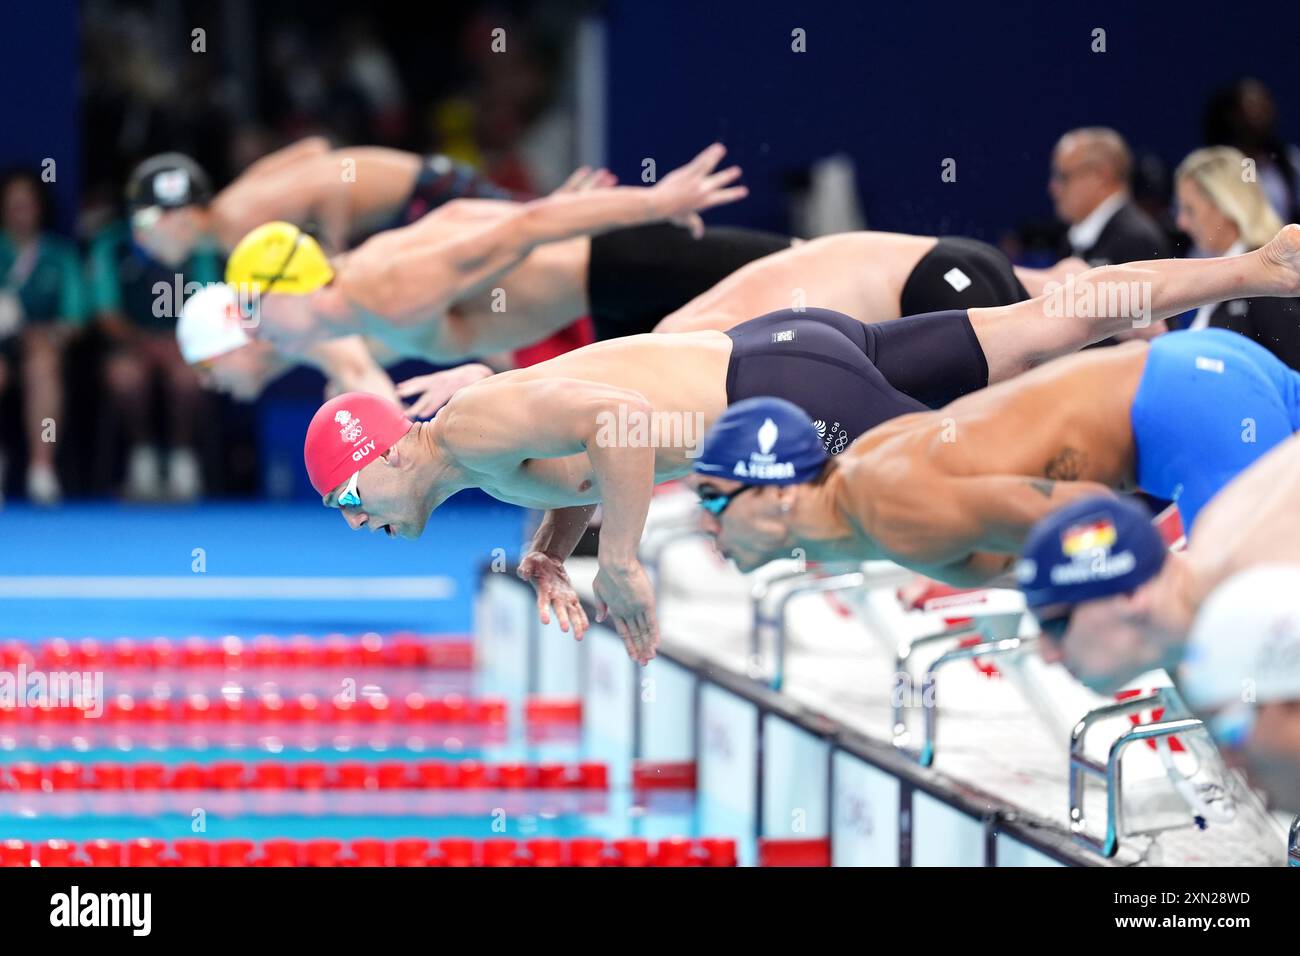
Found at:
[52, 566]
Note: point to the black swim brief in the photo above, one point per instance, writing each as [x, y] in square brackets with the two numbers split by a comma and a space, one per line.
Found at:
[850, 377]
[960, 273]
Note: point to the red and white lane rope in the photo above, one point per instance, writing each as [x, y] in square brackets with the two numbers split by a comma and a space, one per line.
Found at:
[266, 708]
[67, 776]
[545, 851]
[402, 649]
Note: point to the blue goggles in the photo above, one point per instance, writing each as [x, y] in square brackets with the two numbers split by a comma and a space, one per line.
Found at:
[349, 498]
[715, 502]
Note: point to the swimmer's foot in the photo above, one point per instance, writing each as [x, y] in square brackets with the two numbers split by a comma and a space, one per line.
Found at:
[1281, 257]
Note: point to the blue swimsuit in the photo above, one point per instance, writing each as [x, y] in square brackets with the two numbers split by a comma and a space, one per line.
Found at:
[1210, 403]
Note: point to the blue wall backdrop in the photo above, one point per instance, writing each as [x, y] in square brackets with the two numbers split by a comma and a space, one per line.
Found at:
[900, 86]
[38, 73]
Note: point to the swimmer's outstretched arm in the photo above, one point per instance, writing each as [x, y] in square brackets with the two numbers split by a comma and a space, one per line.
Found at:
[349, 367]
[286, 156]
[428, 393]
[993, 513]
[1108, 300]
[530, 432]
[465, 209]
[962, 531]
[428, 272]
[263, 191]
[981, 569]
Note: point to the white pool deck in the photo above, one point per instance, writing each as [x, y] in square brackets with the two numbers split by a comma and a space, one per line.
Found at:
[1004, 734]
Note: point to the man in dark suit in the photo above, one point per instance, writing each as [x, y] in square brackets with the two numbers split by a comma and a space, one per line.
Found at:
[1089, 186]
[1273, 323]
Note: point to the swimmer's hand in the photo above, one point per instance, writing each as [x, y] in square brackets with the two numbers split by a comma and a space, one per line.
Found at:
[584, 179]
[555, 592]
[624, 596]
[684, 193]
[435, 390]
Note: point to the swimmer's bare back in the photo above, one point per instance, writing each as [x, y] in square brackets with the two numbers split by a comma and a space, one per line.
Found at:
[681, 377]
[932, 489]
[488, 285]
[1253, 520]
[861, 274]
[544, 293]
[349, 190]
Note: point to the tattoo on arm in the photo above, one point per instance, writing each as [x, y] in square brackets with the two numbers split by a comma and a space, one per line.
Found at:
[1066, 466]
[1044, 488]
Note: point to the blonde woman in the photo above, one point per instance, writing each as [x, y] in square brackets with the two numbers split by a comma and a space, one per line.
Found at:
[1225, 212]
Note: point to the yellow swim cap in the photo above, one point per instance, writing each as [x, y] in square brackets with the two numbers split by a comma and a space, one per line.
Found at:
[278, 257]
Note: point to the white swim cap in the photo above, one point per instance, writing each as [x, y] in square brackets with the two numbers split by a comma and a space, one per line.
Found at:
[211, 324]
[1245, 643]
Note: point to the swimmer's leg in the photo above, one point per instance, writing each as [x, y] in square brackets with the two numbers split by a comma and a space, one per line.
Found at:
[1108, 300]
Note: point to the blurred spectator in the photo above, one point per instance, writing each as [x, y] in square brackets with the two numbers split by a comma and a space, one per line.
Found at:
[1089, 185]
[1226, 215]
[135, 301]
[41, 303]
[427, 82]
[1245, 116]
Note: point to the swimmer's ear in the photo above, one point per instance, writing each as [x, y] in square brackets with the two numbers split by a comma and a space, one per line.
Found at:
[393, 458]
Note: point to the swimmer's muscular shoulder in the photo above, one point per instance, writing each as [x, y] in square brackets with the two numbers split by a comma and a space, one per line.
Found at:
[470, 425]
[490, 423]
[896, 492]
[877, 482]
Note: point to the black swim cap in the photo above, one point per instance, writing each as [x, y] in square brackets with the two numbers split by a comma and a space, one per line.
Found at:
[170, 180]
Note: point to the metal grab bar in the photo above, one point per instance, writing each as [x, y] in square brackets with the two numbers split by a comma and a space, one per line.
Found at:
[931, 711]
[801, 580]
[898, 706]
[826, 585]
[760, 621]
[1293, 844]
[1082, 766]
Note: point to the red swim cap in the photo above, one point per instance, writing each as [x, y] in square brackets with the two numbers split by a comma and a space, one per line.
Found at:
[346, 434]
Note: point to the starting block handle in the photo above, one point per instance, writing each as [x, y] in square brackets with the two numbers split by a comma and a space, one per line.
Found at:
[821, 585]
[898, 708]
[1120, 708]
[990, 649]
[758, 596]
[1108, 844]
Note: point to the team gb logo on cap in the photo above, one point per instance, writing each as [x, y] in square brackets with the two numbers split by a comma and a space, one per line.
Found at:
[351, 429]
[171, 185]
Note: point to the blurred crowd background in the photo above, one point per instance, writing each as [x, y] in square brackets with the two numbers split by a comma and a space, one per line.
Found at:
[852, 133]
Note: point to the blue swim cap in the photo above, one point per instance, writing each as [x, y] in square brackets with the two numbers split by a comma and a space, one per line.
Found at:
[1089, 549]
[762, 441]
